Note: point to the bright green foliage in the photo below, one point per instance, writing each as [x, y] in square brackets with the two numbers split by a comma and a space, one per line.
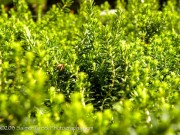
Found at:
[89, 73]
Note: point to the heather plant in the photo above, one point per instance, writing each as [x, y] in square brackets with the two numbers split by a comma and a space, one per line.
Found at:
[89, 73]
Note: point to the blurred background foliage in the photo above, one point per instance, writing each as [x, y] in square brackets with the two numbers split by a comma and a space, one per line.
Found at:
[75, 5]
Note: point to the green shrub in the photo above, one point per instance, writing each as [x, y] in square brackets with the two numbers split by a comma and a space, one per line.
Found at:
[90, 74]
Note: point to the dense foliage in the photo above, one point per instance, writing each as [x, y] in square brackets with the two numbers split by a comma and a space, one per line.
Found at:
[90, 73]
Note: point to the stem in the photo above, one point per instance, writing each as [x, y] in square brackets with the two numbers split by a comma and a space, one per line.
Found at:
[113, 79]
